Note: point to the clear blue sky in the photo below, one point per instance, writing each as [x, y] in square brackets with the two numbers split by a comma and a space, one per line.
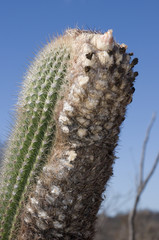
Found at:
[27, 25]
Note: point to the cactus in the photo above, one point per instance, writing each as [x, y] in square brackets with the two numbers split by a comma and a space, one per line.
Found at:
[61, 151]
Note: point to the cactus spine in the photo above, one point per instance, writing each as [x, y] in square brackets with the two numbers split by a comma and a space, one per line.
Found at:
[61, 152]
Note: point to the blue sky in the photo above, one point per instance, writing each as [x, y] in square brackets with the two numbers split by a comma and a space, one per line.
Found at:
[27, 25]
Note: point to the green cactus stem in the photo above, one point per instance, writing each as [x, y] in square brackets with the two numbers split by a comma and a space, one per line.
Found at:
[34, 132]
[62, 148]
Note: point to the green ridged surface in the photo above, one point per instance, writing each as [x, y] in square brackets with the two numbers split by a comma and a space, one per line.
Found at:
[32, 136]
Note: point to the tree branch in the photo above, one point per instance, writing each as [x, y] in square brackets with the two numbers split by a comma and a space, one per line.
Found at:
[144, 147]
[142, 182]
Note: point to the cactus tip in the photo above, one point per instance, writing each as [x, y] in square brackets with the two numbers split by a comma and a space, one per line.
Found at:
[105, 41]
[108, 37]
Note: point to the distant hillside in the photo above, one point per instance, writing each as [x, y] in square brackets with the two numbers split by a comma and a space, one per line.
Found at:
[116, 228]
[1, 151]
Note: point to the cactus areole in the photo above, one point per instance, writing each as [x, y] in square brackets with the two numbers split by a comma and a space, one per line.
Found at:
[61, 150]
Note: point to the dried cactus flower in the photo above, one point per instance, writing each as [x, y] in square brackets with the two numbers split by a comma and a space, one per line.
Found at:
[62, 149]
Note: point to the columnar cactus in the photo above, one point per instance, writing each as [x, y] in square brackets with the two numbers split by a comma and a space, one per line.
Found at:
[62, 148]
